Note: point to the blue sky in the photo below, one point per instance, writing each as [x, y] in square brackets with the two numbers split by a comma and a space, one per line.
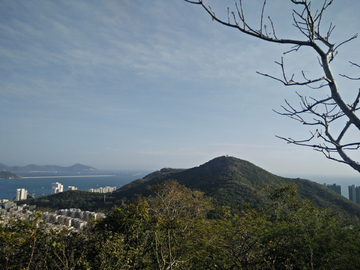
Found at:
[152, 84]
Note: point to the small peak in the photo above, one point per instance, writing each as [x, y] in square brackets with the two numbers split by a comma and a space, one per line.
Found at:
[166, 169]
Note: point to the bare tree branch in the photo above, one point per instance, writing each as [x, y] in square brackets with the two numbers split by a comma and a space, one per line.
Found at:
[290, 82]
[346, 41]
[351, 78]
[322, 112]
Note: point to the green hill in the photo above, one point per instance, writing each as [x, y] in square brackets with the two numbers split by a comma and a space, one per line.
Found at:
[233, 182]
[228, 180]
[70, 199]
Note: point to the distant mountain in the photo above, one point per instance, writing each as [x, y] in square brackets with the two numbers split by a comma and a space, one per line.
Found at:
[48, 168]
[233, 182]
[4, 167]
[9, 175]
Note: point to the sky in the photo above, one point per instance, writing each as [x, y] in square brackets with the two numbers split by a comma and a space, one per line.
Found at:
[130, 84]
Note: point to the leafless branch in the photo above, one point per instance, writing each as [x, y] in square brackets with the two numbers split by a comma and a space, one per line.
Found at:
[354, 64]
[262, 17]
[273, 27]
[346, 41]
[290, 82]
[321, 112]
[351, 78]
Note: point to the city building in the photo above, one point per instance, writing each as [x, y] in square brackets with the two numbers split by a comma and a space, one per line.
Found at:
[334, 187]
[106, 189]
[21, 194]
[72, 188]
[56, 188]
[354, 193]
[5, 204]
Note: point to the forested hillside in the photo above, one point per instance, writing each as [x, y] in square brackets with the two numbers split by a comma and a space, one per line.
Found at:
[232, 182]
[228, 180]
[171, 230]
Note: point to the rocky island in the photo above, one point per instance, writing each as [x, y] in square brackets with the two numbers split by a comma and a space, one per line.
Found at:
[9, 175]
[77, 168]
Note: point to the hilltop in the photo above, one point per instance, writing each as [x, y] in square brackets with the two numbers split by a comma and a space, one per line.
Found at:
[232, 182]
[48, 168]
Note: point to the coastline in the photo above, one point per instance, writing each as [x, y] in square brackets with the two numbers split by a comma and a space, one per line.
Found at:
[66, 176]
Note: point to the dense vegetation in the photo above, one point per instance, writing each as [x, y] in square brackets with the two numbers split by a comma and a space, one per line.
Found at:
[9, 175]
[171, 230]
[87, 201]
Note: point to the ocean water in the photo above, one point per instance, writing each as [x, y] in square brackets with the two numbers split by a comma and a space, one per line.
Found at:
[39, 184]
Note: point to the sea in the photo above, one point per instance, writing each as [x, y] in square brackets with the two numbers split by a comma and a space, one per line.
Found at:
[39, 183]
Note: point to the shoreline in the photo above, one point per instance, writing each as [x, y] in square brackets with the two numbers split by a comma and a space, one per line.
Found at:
[65, 176]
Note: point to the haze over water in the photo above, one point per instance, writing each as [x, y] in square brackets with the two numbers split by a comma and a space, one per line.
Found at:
[40, 184]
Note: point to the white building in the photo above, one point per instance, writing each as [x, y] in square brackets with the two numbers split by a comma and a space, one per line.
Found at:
[56, 188]
[72, 188]
[21, 194]
[106, 189]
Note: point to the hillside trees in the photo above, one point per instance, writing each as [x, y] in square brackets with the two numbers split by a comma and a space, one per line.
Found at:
[171, 230]
[286, 234]
[179, 212]
[157, 232]
[26, 244]
[334, 122]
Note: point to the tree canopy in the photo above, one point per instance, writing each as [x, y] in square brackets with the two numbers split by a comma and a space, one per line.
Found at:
[171, 230]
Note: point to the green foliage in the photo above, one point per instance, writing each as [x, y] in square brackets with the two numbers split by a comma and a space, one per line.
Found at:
[155, 232]
[86, 201]
[234, 182]
[126, 237]
[170, 230]
[28, 245]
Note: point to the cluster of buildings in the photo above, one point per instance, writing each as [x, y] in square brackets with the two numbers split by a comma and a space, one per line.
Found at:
[7, 206]
[58, 187]
[334, 187]
[22, 194]
[354, 191]
[73, 219]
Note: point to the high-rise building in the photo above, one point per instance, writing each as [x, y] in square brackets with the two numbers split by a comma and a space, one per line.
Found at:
[21, 194]
[334, 187]
[56, 188]
[354, 193]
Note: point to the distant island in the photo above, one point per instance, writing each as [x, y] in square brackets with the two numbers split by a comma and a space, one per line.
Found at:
[77, 168]
[9, 175]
